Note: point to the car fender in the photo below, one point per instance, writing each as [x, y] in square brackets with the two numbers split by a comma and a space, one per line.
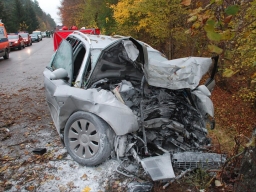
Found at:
[101, 103]
[204, 103]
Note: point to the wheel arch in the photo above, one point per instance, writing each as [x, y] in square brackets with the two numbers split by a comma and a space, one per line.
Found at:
[110, 133]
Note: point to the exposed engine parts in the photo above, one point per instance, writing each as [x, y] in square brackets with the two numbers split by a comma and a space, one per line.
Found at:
[172, 130]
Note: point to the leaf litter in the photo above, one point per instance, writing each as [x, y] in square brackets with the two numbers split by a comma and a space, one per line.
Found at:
[25, 125]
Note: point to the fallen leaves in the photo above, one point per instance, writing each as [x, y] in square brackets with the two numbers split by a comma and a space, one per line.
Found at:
[86, 189]
[84, 177]
[30, 188]
[3, 168]
[186, 2]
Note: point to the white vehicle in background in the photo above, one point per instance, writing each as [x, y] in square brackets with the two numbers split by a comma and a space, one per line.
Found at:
[39, 33]
[44, 34]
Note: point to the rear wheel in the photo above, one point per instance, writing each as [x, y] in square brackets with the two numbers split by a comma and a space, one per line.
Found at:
[6, 55]
[88, 138]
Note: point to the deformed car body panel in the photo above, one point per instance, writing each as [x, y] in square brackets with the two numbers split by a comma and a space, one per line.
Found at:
[120, 60]
[204, 103]
[178, 73]
[100, 102]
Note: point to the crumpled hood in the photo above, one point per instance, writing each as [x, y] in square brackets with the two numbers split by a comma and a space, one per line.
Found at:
[178, 73]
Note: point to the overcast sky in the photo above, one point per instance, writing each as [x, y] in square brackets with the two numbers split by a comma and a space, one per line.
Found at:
[50, 6]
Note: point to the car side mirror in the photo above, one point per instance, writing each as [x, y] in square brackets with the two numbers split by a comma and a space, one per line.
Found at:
[59, 74]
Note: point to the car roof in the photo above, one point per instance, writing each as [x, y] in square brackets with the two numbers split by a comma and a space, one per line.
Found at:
[12, 34]
[23, 33]
[102, 41]
[97, 41]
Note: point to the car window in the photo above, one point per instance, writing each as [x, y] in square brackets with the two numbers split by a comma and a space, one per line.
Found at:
[13, 37]
[2, 32]
[64, 59]
[24, 35]
[78, 59]
[73, 42]
[94, 56]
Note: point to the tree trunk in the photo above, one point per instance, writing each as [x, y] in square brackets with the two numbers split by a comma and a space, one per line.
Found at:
[248, 170]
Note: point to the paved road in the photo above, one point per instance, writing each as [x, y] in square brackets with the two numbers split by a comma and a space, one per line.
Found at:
[25, 67]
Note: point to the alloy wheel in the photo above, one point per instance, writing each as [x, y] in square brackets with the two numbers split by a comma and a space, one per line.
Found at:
[83, 138]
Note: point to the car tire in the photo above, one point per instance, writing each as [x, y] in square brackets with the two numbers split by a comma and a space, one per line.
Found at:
[6, 55]
[88, 138]
[19, 47]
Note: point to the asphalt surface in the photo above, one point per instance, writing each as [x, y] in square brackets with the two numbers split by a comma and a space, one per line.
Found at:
[24, 67]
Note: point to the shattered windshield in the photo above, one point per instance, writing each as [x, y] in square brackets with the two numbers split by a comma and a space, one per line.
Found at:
[63, 58]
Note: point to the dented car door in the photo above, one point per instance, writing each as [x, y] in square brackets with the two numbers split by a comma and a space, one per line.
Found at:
[62, 59]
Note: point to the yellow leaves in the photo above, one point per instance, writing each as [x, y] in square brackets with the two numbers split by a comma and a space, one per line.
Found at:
[248, 95]
[152, 17]
[219, 2]
[227, 35]
[215, 49]
[122, 11]
[196, 11]
[192, 19]
[229, 72]
[86, 189]
[196, 25]
[246, 34]
[107, 19]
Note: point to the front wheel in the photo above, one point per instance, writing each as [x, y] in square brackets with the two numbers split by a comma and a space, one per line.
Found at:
[6, 55]
[88, 138]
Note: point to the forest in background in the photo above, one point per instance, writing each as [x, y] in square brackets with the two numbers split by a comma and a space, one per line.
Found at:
[24, 15]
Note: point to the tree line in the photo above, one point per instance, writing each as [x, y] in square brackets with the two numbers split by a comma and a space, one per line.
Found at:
[24, 15]
[181, 28]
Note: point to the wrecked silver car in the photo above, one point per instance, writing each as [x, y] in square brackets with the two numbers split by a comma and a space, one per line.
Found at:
[116, 95]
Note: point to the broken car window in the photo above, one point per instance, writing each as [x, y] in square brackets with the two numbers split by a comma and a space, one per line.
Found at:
[63, 58]
[94, 55]
[78, 59]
